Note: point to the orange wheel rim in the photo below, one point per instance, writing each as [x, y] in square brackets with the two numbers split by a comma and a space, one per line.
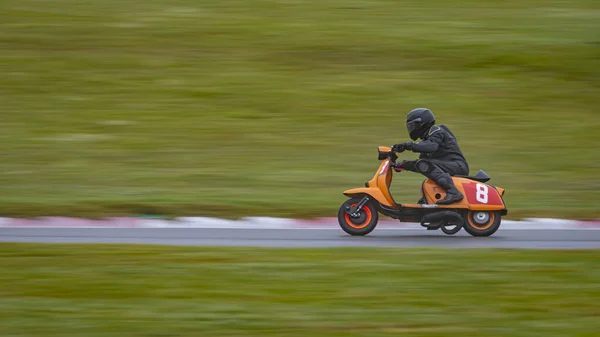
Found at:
[363, 224]
[484, 226]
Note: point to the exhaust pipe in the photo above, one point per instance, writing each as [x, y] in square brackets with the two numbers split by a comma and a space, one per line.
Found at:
[435, 220]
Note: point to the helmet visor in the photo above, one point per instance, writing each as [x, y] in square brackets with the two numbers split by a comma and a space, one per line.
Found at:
[413, 126]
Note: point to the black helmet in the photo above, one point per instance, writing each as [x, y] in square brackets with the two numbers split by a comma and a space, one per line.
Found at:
[418, 122]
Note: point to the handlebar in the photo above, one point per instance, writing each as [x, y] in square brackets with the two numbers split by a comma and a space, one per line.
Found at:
[385, 152]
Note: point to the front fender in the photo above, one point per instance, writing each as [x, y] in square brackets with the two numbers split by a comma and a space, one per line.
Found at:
[373, 192]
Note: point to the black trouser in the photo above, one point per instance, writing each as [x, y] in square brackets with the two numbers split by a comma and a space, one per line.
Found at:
[439, 170]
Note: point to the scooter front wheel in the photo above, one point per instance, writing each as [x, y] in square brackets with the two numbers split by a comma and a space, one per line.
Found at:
[362, 222]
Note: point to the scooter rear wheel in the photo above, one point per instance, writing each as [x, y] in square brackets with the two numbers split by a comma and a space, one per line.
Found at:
[363, 223]
[482, 223]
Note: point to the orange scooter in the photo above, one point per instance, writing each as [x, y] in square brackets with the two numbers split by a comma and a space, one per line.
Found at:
[479, 212]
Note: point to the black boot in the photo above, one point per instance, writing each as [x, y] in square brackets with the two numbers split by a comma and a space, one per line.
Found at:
[452, 193]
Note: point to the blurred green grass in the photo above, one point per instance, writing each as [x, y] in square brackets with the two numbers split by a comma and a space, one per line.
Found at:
[136, 290]
[236, 108]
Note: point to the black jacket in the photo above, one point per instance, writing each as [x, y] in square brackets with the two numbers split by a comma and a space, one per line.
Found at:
[440, 144]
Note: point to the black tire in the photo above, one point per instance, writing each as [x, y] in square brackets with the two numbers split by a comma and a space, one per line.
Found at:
[364, 224]
[482, 223]
[449, 230]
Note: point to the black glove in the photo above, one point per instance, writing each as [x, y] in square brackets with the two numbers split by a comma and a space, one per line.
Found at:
[397, 166]
[410, 165]
[401, 147]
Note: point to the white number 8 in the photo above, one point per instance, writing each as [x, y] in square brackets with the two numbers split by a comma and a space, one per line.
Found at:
[482, 194]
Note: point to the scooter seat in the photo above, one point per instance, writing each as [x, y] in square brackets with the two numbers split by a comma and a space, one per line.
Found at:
[481, 176]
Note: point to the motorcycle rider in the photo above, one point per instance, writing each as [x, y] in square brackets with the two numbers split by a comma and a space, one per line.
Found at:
[440, 156]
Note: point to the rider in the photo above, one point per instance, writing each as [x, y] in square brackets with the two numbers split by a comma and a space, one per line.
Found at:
[440, 157]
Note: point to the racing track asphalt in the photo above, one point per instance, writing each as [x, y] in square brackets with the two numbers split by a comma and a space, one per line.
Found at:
[533, 239]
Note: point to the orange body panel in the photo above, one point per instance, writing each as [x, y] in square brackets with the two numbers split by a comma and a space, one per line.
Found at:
[374, 192]
[477, 195]
[378, 186]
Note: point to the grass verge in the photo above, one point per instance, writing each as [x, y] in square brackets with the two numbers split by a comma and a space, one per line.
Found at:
[137, 290]
[264, 107]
